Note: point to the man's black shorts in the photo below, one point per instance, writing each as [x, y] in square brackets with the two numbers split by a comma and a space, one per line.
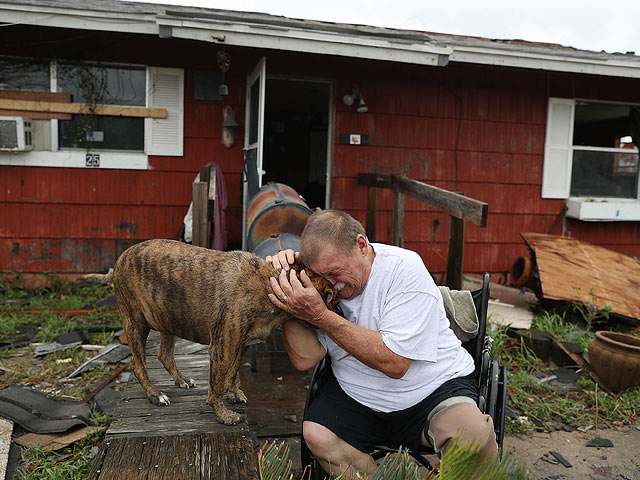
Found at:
[364, 428]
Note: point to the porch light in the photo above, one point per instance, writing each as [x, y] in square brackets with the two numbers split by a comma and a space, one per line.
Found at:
[356, 99]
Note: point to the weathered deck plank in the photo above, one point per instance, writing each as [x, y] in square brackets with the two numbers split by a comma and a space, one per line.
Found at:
[180, 441]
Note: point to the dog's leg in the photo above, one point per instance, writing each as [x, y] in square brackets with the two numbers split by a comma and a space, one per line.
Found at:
[232, 382]
[221, 360]
[165, 355]
[137, 331]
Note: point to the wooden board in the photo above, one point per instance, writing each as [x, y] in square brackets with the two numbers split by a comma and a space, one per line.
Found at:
[571, 270]
[203, 456]
[183, 440]
[35, 97]
[80, 108]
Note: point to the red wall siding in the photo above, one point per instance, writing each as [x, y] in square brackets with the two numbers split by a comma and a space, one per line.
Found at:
[474, 129]
[477, 130]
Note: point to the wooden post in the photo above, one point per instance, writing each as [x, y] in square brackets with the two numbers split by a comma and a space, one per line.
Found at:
[397, 232]
[455, 256]
[200, 214]
[372, 207]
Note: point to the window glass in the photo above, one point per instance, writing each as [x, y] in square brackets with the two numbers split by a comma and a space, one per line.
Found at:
[596, 171]
[24, 74]
[102, 85]
[604, 174]
[601, 125]
[102, 132]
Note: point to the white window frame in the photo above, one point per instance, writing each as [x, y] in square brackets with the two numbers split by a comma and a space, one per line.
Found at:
[162, 137]
[558, 161]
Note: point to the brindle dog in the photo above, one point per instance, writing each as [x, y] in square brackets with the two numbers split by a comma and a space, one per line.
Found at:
[206, 296]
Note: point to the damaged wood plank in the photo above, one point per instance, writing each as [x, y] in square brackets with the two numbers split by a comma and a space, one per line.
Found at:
[82, 109]
[579, 272]
[456, 205]
[582, 364]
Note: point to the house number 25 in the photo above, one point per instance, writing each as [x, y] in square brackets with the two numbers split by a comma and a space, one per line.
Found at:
[92, 160]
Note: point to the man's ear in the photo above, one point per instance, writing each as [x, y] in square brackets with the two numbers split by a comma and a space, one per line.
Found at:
[362, 243]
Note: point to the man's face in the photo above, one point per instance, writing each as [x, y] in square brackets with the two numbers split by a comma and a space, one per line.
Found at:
[348, 272]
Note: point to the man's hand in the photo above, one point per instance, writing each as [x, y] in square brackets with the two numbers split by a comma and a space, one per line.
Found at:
[297, 296]
[284, 258]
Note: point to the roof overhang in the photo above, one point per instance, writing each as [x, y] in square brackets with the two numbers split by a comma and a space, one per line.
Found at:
[578, 62]
[303, 40]
[231, 32]
[281, 33]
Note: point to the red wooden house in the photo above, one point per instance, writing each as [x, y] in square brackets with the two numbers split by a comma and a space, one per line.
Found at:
[546, 135]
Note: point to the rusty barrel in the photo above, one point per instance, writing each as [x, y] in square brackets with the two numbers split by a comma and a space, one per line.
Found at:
[276, 208]
[277, 242]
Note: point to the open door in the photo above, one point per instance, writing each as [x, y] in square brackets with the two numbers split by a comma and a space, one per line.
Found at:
[253, 135]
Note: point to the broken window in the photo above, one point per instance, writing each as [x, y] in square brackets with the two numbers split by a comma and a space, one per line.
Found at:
[24, 74]
[605, 156]
[102, 85]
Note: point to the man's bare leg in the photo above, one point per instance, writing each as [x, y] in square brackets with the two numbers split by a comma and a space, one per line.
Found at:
[334, 454]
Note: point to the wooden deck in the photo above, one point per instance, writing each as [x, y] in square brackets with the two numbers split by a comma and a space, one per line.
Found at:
[180, 441]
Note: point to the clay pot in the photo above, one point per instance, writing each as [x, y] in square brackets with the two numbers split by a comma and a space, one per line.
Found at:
[615, 357]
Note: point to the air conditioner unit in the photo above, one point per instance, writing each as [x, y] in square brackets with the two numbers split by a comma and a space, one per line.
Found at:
[15, 134]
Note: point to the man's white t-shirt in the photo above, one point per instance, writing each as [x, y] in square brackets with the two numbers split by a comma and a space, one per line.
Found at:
[401, 301]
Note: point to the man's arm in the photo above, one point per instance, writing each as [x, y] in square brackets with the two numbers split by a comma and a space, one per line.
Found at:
[302, 344]
[365, 345]
[304, 302]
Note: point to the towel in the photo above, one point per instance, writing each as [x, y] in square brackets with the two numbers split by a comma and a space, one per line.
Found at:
[461, 312]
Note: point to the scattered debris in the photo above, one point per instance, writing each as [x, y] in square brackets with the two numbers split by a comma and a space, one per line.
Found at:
[506, 314]
[63, 342]
[55, 441]
[112, 353]
[581, 363]
[585, 428]
[40, 413]
[600, 442]
[6, 429]
[19, 342]
[569, 270]
[109, 301]
[113, 376]
[291, 418]
[561, 459]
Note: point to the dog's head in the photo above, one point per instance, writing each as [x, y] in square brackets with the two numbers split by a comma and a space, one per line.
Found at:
[327, 291]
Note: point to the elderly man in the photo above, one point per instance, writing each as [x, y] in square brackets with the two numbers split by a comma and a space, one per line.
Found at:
[400, 375]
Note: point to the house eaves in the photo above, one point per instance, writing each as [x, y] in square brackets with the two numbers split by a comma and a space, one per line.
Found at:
[259, 30]
[279, 36]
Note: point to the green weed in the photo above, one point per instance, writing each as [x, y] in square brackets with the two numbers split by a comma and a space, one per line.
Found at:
[71, 463]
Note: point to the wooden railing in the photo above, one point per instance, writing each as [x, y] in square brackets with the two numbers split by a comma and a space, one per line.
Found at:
[204, 197]
[460, 208]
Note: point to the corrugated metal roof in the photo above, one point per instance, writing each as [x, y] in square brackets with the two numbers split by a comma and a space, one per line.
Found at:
[507, 52]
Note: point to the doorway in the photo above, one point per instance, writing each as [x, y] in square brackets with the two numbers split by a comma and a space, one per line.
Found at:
[296, 137]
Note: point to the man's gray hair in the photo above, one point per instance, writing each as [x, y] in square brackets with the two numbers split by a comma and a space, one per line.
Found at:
[329, 227]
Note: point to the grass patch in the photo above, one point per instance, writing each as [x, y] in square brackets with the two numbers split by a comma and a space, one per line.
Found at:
[70, 463]
[544, 407]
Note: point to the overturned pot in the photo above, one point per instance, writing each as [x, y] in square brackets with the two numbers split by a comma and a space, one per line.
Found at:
[615, 357]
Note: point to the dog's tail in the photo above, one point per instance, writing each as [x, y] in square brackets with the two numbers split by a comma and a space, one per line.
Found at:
[97, 278]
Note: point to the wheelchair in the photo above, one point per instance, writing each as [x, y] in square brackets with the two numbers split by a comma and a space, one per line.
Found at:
[492, 387]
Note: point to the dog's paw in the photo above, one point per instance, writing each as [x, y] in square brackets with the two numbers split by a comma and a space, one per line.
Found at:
[236, 397]
[189, 383]
[160, 399]
[228, 417]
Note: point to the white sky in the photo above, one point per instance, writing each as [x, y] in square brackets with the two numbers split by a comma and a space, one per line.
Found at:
[610, 25]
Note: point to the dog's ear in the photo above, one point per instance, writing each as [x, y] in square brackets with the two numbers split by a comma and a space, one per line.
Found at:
[331, 298]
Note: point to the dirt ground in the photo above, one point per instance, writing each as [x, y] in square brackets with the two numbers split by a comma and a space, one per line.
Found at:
[620, 462]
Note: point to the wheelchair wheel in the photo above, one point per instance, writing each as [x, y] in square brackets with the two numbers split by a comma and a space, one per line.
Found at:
[492, 400]
[501, 407]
